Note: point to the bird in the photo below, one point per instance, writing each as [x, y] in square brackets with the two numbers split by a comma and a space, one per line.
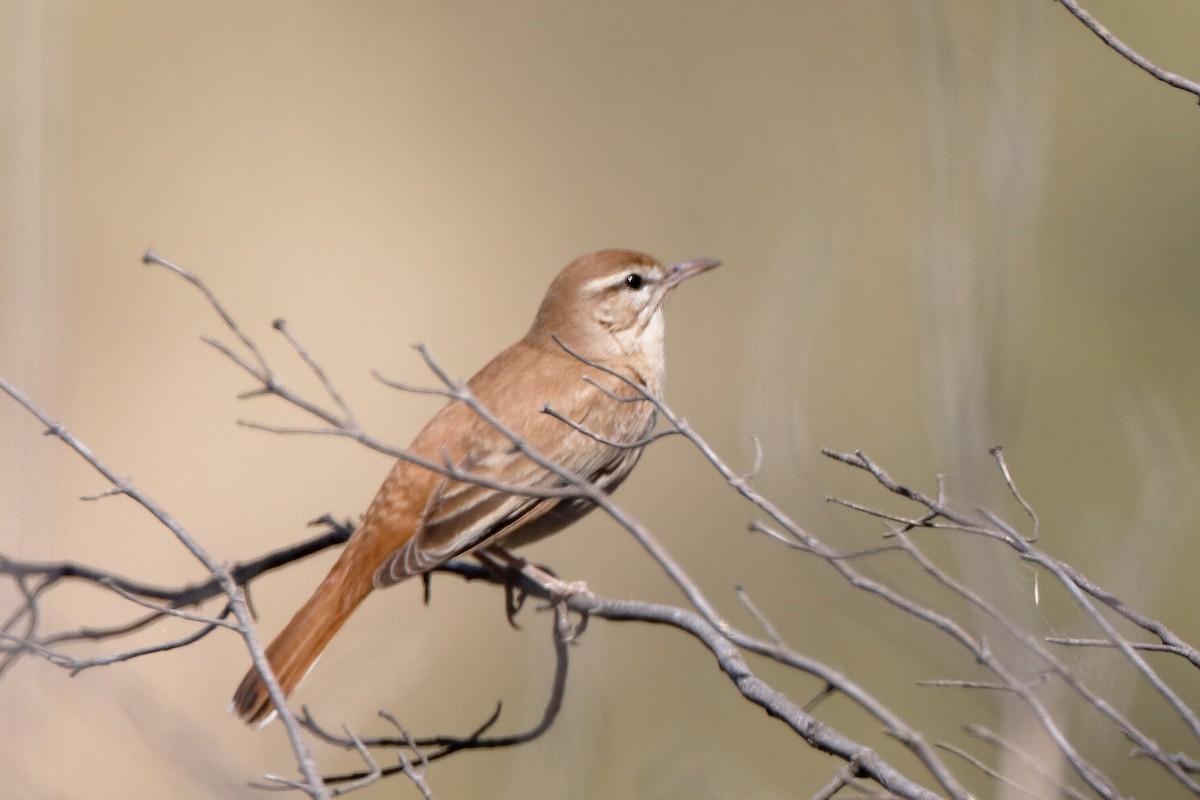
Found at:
[598, 331]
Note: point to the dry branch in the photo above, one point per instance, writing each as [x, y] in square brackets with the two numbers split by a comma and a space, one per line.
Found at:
[1007, 663]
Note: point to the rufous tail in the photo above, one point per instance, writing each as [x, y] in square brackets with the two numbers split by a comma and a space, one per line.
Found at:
[296, 648]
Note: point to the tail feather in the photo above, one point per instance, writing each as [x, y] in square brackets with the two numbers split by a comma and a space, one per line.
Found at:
[296, 648]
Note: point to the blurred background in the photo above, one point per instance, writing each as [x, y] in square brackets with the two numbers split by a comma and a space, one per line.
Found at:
[945, 226]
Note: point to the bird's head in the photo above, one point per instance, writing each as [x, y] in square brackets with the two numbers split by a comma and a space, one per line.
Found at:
[608, 304]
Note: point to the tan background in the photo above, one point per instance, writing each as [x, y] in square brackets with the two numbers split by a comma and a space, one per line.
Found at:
[943, 227]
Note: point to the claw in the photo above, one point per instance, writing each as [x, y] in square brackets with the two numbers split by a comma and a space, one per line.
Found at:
[514, 601]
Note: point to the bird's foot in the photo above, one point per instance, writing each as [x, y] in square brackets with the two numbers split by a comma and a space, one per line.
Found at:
[558, 591]
[561, 593]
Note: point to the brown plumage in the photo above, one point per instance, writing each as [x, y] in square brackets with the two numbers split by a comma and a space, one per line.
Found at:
[605, 306]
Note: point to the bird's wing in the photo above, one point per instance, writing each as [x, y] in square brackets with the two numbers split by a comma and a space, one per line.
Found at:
[461, 516]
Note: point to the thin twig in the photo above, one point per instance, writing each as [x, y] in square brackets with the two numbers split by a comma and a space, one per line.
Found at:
[347, 415]
[225, 579]
[1028, 551]
[1030, 763]
[997, 453]
[1127, 52]
[759, 617]
[374, 773]
[417, 774]
[167, 610]
[1149, 647]
[635, 445]
[995, 775]
[843, 778]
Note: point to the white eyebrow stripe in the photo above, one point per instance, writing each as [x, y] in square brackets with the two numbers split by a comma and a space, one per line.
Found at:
[596, 284]
[647, 271]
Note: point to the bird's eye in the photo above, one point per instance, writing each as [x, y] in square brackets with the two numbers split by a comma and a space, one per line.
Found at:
[634, 281]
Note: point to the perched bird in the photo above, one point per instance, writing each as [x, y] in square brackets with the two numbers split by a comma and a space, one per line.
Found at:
[606, 308]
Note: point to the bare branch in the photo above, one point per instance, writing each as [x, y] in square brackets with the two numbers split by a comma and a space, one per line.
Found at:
[843, 778]
[1016, 668]
[447, 745]
[759, 617]
[374, 773]
[1030, 763]
[1127, 52]
[347, 415]
[1149, 647]
[635, 445]
[167, 610]
[999, 777]
[152, 257]
[1027, 551]
[220, 573]
[998, 454]
[417, 774]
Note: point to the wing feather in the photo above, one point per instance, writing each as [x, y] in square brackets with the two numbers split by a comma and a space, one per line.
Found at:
[461, 516]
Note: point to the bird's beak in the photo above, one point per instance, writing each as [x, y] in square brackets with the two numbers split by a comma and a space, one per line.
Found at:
[681, 272]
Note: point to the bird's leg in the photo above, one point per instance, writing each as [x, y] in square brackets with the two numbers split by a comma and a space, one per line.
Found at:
[559, 590]
[514, 596]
